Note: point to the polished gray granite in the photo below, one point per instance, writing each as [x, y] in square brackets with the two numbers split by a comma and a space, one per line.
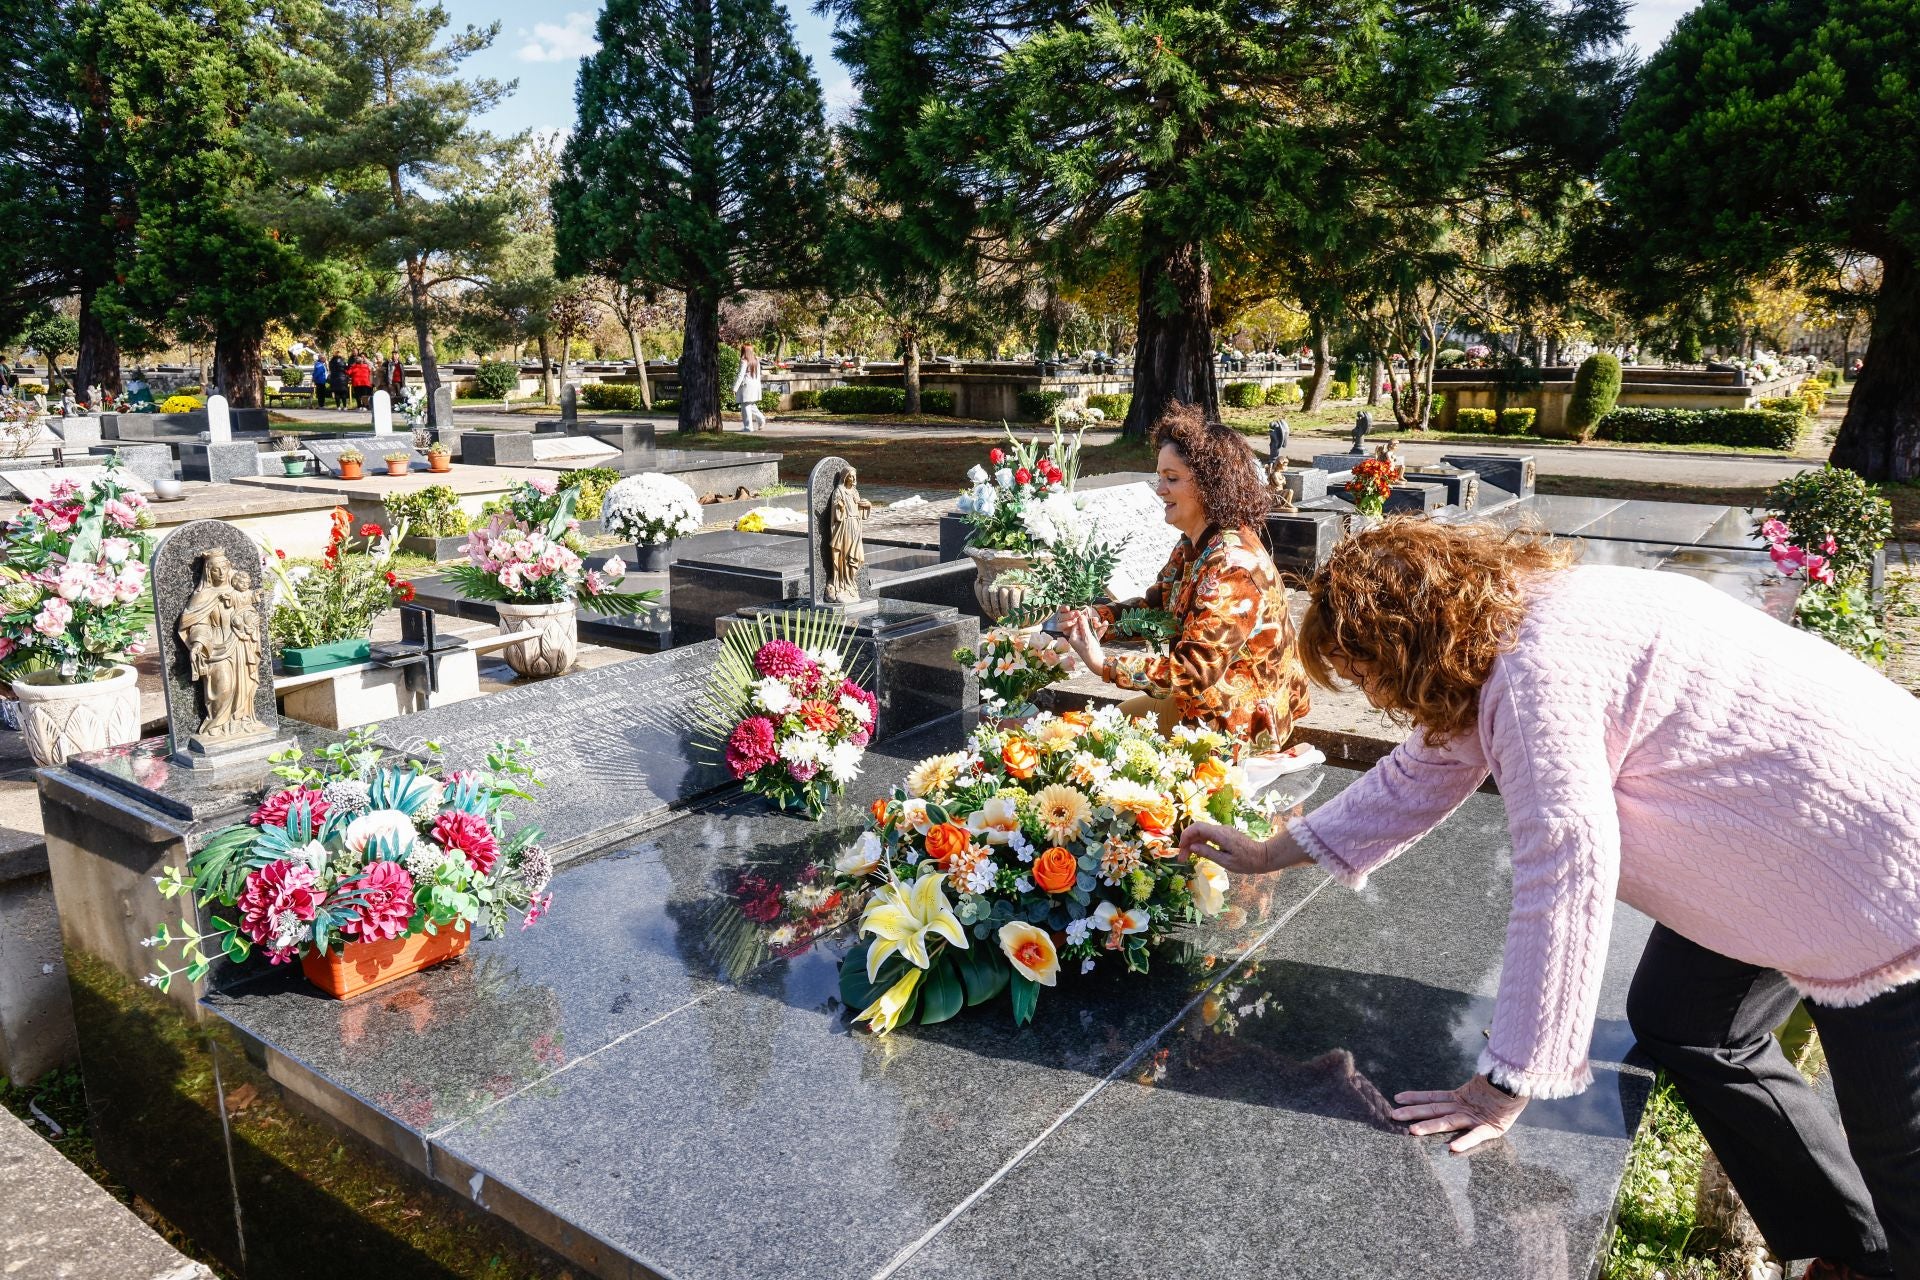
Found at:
[652, 1083]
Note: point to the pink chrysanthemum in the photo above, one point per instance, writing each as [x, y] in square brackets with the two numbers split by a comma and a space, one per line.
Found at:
[784, 660]
[385, 892]
[750, 746]
[273, 810]
[277, 899]
[468, 833]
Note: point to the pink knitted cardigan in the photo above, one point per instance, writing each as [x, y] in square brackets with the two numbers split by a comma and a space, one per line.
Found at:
[1745, 784]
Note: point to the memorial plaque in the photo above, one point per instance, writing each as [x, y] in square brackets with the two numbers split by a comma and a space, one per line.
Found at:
[37, 484]
[374, 450]
[210, 605]
[1132, 512]
[573, 449]
[440, 408]
[615, 746]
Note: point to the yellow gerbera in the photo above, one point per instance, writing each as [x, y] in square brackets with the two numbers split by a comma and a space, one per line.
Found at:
[1063, 811]
[1057, 735]
[934, 774]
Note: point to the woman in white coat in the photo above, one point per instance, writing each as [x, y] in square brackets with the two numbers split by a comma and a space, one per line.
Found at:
[746, 389]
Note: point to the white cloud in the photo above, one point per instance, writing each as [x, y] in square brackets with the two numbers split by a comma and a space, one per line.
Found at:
[566, 41]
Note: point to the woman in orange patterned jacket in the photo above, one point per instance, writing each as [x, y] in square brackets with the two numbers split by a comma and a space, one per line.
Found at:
[1234, 665]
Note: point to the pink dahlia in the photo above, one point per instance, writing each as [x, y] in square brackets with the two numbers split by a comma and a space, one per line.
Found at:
[750, 746]
[276, 902]
[469, 833]
[383, 904]
[274, 809]
[784, 660]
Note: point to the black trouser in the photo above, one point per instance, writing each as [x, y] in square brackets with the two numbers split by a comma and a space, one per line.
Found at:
[1814, 1188]
[340, 390]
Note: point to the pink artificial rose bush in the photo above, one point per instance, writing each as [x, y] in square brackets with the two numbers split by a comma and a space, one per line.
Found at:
[73, 589]
[358, 851]
[531, 553]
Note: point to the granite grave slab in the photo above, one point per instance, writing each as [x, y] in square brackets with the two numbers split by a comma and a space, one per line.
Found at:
[373, 452]
[496, 448]
[1513, 472]
[147, 462]
[615, 745]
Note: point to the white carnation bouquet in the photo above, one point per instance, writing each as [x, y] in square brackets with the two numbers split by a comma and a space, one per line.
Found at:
[651, 509]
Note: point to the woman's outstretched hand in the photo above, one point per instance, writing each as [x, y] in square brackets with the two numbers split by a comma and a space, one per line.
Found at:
[1082, 633]
[1238, 852]
[1476, 1106]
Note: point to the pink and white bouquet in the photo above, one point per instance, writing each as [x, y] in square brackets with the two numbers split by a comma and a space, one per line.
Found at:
[73, 581]
[1013, 664]
[531, 553]
[356, 851]
[788, 719]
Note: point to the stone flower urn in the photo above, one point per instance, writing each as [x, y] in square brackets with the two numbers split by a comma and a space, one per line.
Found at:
[998, 597]
[553, 649]
[62, 720]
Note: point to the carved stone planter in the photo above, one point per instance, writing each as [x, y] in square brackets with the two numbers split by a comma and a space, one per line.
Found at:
[550, 652]
[998, 597]
[62, 720]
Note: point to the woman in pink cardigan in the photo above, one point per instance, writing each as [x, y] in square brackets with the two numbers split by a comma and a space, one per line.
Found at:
[1753, 789]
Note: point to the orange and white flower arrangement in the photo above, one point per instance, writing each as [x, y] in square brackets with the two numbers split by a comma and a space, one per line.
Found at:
[1041, 848]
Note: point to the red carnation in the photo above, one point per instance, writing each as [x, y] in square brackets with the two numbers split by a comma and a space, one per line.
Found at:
[370, 530]
[469, 833]
[274, 809]
[405, 592]
[383, 902]
[750, 747]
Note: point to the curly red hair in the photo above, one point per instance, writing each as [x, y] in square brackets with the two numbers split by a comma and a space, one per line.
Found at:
[1225, 469]
[1422, 609]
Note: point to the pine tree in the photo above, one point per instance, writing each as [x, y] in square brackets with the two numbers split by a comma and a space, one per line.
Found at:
[1769, 132]
[699, 163]
[383, 163]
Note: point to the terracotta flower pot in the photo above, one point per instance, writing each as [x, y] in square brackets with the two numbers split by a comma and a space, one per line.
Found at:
[438, 462]
[362, 966]
[997, 597]
[553, 649]
[351, 469]
[62, 720]
[398, 468]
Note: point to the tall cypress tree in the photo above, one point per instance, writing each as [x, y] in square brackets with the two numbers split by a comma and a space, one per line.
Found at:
[699, 163]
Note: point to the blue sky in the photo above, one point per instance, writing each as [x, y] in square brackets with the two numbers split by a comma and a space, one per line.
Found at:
[541, 47]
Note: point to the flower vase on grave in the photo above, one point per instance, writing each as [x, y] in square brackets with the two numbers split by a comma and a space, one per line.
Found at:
[358, 967]
[554, 644]
[653, 557]
[62, 719]
[999, 596]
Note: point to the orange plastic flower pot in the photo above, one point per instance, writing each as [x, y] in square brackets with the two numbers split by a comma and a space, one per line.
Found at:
[362, 966]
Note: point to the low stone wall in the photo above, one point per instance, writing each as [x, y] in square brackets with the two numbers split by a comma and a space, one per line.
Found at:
[1549, 399]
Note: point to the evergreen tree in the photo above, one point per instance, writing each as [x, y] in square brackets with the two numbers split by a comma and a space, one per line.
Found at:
[1165, 126]
[1768, 132]
[699, 163]
[380, 157]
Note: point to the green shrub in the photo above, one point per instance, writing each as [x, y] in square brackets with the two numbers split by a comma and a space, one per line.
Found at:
[940, 402]
[495, 380]
[1596, 388]
[1782, 404]
[1284, 395]
[1515, 422]
[1243, 395]
[1340, 389]
[1746, 428]
[593, 483]
[433, 512]
[806, 401]
[1037, 406]
[864, 399]
[1475, 420]
[728, 358]
[1346, 370]
[1833, 501]
[1448, 357]
[1115, 404]
[623, 396]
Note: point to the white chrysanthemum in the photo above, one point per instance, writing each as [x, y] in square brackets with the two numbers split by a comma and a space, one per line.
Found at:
[827, 657]
[651, 509]
[773, 697]
[843, 762]
[857, 709]
[804, 748]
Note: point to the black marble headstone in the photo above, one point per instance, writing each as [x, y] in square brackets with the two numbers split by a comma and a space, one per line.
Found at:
[569, 403]
[615, 746]
[179, 569]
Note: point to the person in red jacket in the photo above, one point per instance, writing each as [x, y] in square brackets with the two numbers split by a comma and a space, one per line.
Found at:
[360, 375]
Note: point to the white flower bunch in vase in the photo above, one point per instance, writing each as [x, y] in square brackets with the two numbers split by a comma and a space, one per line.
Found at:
[651, 509]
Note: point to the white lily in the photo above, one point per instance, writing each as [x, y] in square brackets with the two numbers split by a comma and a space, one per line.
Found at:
[901, 917]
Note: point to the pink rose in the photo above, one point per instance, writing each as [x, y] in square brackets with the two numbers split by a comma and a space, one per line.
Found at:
[53, 617]
[1775, 530]
[1818, 570]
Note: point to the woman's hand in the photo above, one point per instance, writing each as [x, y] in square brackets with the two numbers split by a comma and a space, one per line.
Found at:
[1239, 853]
[1082, 632]
[1476, 1106]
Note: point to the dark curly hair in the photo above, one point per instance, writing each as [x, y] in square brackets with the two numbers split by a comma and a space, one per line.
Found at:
[1225, 468]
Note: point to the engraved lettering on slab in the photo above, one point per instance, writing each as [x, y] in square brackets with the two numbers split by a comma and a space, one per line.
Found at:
[1133, 512]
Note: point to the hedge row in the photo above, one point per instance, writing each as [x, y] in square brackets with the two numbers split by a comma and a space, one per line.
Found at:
[625, 397]
[881, 400]
[1506, 422]
[1114, 405]
[1746, 428]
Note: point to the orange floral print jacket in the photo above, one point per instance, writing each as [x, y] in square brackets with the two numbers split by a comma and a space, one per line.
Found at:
[1234, 666]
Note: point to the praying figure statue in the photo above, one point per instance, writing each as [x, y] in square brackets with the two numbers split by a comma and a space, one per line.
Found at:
[847, 515]
[1362, 424]
[220, 627]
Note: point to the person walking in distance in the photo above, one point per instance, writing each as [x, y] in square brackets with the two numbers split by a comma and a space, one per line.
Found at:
[319, 380]
[396, 377]
[337, 379]
[746, 389]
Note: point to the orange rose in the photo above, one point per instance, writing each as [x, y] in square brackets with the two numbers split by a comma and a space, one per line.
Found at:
[1055, 870]
[1210, 774]
[945, 840]
[1082, 718]
[1020, 758]
[1157, 818]
[879, 812]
